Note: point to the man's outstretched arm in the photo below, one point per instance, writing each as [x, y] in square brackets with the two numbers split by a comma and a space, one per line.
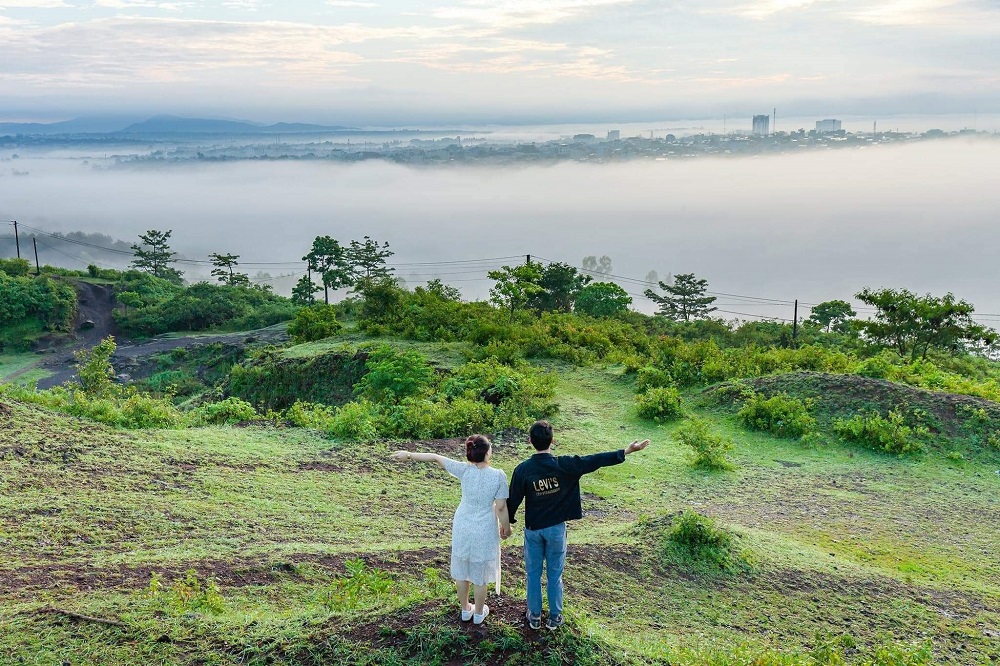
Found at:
[581, 465]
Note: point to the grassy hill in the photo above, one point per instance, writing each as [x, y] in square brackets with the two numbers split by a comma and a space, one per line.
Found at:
[274, 544]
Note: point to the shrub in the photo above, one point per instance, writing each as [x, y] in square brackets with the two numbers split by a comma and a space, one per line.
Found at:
[393, 374]
[361, 582]
[710, 448]
[94, 367]
[310, 415]
[659, 404]
[697, 540]
[652, 377]
[780, 414]
[357, 421]
[228, 411]
[884, 433]
[186, 594]
[315, 322]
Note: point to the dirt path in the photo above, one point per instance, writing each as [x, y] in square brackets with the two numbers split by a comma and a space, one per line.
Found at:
[94, 322]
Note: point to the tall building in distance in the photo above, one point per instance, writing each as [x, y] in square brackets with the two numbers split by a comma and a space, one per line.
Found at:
[614, 135]
[828, 125]
[761, 125]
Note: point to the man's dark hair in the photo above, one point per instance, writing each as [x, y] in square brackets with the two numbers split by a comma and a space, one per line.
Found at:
[540, 435]
[476, 448]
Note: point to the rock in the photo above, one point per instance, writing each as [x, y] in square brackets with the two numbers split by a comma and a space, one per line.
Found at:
[86, 325]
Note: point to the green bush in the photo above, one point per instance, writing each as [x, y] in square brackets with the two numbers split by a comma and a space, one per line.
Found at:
[314, 322]
[94, 367]
[884, 433]
[697, 540]
[271, 380]
[651, 377]
[310, 415]
[225, 412]
[157, 306]
[186, 595]
[357, 421]
[123, 408]
[709, 447]
[659, 404]
[392, 374]
[780, 415]
[51, 301]
[15, 267]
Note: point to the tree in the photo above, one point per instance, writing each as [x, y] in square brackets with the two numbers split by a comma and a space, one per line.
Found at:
[914, 325]
[515, 286]
[592, 264]
[223, 271]
[685, 298]
[602, 299]
[832, 315]
[304, 290]
[652, 277]
[440, 290]
[367, 259]
[560, 284]
[329, 259]
[153, 255]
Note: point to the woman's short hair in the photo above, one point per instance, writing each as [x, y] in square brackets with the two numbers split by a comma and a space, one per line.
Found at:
[476, 448]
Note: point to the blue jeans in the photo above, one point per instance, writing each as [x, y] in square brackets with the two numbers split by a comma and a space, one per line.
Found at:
[548, 546]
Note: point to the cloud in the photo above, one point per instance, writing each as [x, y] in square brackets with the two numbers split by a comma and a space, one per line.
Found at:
[351, 3]
[140, 4]
[33, 4]
[501, 14]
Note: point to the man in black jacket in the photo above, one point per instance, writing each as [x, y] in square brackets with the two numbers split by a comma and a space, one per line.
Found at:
[550, 488]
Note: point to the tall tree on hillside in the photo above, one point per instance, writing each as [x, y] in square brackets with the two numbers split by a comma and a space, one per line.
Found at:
[914, 325]
[304, 291]
[515, 286]
[602, 299]
[684, 299]
[153, 255]
[560, 283]
[329, 259]
[367, 259]
[223, 271]
[832, 315]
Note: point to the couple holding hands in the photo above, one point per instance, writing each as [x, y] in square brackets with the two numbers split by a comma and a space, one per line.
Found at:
[548, 485]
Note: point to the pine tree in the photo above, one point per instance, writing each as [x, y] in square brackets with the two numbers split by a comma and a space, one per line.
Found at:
[303, 293]
[153, 255]
[330, 260]
[685, 298]
[224, 264]
[367, 259]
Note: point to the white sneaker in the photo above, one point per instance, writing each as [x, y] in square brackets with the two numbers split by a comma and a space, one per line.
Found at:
[477, 618]
[467, 614]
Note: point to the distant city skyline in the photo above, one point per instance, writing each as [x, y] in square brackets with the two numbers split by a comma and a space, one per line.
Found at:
[384, 62]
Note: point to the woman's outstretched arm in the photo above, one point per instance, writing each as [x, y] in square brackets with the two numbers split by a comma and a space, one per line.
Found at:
[400, 456]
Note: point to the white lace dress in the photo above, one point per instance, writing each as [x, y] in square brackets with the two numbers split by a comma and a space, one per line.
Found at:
[475, 532]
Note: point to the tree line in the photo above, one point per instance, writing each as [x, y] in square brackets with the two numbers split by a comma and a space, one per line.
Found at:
[906, 322]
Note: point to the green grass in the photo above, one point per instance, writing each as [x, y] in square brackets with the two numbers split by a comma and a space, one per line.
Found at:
[15, 363]
[838, 540]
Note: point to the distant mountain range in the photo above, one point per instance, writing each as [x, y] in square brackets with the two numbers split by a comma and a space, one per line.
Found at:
[161, 125]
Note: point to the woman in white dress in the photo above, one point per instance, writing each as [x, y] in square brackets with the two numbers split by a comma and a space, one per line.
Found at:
[475, 534]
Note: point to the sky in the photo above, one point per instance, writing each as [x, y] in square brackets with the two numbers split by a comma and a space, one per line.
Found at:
[386, 62]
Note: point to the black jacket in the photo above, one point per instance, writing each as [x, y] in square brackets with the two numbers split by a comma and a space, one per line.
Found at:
[550, 486]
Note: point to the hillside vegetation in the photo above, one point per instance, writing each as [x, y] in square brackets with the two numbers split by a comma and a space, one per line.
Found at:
[817, 500]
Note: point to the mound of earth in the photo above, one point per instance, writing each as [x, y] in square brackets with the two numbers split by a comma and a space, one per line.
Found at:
[843, 395]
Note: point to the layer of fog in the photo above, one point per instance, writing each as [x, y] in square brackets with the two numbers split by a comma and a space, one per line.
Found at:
[813, 226]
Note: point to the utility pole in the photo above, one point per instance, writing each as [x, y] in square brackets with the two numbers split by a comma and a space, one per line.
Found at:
[38, 269]
[528, 256]
[17, 241]
[795, 323]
